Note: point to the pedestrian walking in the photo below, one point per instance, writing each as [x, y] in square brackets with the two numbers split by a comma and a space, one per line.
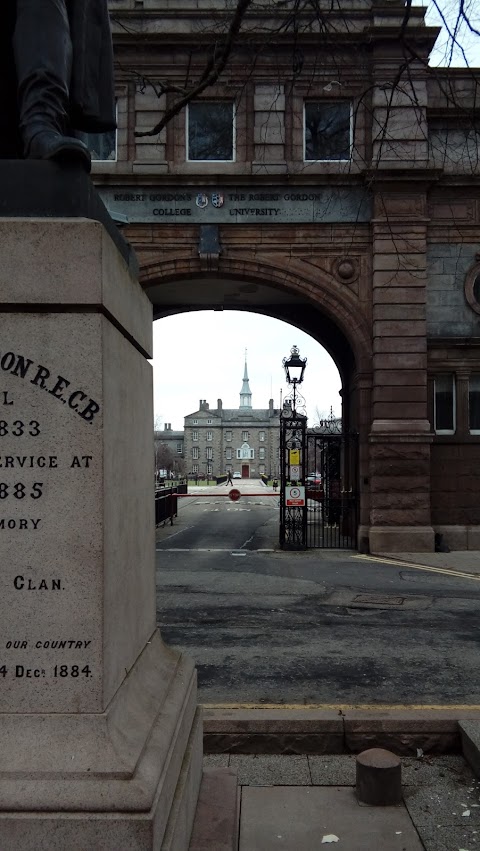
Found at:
[229, 478]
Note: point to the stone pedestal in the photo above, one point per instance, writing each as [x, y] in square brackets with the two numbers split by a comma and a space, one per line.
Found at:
[100, 737]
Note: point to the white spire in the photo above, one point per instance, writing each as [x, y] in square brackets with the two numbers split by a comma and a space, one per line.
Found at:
[245, 393]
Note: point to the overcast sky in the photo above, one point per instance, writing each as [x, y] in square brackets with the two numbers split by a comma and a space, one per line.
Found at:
[201, 355]
[206, 357]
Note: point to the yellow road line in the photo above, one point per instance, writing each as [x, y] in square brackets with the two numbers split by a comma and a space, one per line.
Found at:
[379, 707]
[443, 570]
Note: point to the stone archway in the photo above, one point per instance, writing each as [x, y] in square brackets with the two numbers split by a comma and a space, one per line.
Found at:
[306, 297]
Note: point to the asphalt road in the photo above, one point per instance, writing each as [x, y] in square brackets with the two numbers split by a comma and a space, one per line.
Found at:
[319, 627]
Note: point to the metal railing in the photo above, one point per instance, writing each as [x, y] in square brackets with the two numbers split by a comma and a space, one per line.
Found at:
[166, 503]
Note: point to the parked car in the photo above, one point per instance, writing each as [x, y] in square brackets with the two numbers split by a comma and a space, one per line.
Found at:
[237, 475]
[314, 486]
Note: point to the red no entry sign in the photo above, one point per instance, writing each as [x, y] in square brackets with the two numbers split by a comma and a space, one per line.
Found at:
[234, 494]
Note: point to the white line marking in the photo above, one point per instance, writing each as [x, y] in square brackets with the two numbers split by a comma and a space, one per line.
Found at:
[193, 550]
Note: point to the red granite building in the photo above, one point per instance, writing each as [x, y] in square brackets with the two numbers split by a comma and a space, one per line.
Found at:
[329, 178]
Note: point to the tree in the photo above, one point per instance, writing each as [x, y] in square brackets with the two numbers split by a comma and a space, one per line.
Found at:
[164, 459]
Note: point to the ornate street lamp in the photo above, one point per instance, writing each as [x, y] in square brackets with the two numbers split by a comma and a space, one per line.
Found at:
[293, 444]
[294, 371]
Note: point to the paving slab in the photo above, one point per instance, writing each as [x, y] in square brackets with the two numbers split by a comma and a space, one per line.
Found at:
[332, 770]
[296, 818]
[216, 760]
[271, 770]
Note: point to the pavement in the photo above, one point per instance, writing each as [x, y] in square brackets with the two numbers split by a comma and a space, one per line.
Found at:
[297, 801]
[300, 803]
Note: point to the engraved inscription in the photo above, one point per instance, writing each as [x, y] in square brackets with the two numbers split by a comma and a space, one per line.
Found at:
[58, 386]
[48, 478]
[23, 584]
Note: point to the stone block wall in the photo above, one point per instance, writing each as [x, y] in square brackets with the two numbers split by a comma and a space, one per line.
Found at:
[454, 483]
[448, 314]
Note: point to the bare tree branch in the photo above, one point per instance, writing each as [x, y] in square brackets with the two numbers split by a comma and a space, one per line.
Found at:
[214, 67]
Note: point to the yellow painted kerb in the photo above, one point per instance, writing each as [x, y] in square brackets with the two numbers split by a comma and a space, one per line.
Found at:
[445, 571]
[369, 707]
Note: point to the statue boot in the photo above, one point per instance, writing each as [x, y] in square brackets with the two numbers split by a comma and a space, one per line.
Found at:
[43, 60]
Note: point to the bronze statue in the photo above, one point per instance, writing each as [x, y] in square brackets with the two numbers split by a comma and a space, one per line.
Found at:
[56, 78]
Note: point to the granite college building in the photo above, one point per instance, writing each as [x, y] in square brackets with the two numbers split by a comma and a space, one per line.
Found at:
[241, 440]
[328, 177]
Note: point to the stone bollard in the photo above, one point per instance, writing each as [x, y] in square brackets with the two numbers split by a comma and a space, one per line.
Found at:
[379, 778]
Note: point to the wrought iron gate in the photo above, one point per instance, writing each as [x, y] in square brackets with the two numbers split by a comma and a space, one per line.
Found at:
[332, 487]
[293, 442]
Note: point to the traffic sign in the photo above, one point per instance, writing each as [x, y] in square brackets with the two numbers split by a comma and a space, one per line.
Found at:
[234, 494]
[294, 456]
[295, 496]
[295, 472]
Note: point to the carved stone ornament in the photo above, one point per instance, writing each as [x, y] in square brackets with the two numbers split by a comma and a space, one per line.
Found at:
[472, 286]
[346, 270]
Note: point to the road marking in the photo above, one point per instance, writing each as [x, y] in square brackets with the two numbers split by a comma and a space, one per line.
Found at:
[179, 532]
[238, 554]
[443, 570]
[367, 707]
[192, 550]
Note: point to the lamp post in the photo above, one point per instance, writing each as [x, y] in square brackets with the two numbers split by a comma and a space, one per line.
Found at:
[294, 367]
[293, 441]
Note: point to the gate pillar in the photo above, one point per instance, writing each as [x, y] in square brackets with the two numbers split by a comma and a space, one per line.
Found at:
[400, 435]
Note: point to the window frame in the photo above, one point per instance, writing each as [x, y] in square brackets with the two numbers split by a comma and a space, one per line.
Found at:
[444, 431]
[473, 431]
[195, 453]
[328, 102]
[234, 130]
[195, 436]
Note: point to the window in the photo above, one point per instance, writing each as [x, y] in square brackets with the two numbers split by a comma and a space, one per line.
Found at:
[474, 404]
[195, 452]
[228, 435]
[327, 130]
[228, 454]
[195, 435]
[179, 448]
[261, 453]
[209, 422]
[245, 452]
[209, 452]
[244, 435]
[209, 468]
[261, 469]
[195, 468]
[195, 422]
[261, 435]
[209, 435]
[210, 131]
[444, 404]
